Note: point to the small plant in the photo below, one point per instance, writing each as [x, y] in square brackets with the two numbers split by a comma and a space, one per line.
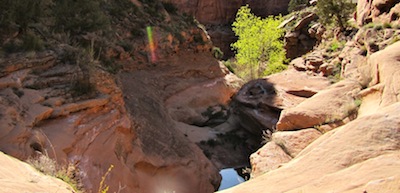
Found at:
[335, 45]
[294, 5]
[48, 166]
[103, 188]
[394, 40]
[266, 136]
[79, 17]
[230, 65]
[82, 87]
[378, 26]
[357, 102]
[217, 53]
[387, 25]
[335, 11]
[32, 43]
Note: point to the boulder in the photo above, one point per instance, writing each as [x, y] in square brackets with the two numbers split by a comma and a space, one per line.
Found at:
[293, 142]
[299, 64]
[271, 156]
[191, 109]
[330, 105]
[258, 103]
[379, 11]
[305, 21]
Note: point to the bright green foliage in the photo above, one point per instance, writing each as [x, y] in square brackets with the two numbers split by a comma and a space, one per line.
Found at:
[335, 11]
[259, 49]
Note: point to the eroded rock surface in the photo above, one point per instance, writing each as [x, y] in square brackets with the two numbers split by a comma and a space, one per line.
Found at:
[353, 124]
[364, 152]
[89, 121]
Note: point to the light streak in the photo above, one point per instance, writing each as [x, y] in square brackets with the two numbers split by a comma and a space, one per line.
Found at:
[152, 45]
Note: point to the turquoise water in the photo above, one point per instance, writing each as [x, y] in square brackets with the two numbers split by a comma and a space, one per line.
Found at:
[230, 178]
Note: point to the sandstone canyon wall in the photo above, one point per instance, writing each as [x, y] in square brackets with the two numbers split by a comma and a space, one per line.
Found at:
[77, 112]
[217, 16]
[343, 137]
[127, 127]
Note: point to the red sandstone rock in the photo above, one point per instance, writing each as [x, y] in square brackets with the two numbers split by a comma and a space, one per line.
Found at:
[269, 157]
[333, 104]
[131, 130]
[293, 142]
[224, 12]
[360, 156]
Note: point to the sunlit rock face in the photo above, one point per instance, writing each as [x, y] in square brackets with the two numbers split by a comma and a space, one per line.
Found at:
[125, 126]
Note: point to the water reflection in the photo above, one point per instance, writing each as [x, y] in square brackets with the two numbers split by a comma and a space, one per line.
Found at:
[230, 178]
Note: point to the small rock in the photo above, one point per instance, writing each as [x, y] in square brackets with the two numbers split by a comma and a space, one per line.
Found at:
[299, 64]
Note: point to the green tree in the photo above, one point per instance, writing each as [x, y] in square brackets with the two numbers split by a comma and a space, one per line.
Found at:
[21, 13]
[335, 11]
[259, 47]
[79, 17]
[294, 4]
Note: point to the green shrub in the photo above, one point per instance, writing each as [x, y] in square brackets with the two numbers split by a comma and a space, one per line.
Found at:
[335, 45]
[48, 166]
[32, 43]
[22, 13]
[217, 53]
[335, 12]
[230, 65]
[259, 44]
[169, 7]
[387, 25]
[28, 42]
[120, 8]
[82, 87]
[295, 4]
[79, 17]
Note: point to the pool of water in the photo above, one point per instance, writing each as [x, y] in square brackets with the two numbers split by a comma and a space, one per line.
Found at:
[230, 178]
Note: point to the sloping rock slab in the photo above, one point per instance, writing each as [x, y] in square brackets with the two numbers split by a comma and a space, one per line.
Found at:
[293, 142]
[361, 156]
[17, 176]
[267, 158]
[330, 105]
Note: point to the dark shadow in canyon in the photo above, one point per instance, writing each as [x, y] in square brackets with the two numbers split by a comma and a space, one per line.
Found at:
[251, 113]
